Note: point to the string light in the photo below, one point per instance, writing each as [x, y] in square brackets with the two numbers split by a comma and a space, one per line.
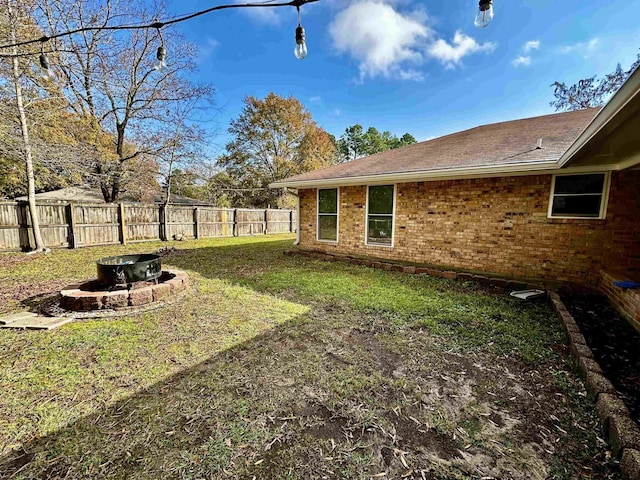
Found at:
[484, 14]
[44, 62]
[482, 19]
[301, 44]
[269, 4]
[161, 54]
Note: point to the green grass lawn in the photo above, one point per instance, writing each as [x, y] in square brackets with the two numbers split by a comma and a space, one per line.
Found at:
[285, 367]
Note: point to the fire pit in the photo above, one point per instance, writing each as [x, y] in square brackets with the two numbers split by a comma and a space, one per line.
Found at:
[128, 269]
[125, 283]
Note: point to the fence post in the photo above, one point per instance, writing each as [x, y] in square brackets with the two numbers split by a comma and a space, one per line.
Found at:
[162, 213]
[235, 223]
[26, 215]
[122, 223]
[71, 221]
[266, 221]
[196, 220]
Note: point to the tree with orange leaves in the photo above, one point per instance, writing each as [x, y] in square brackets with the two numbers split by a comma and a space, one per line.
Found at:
[274, 138]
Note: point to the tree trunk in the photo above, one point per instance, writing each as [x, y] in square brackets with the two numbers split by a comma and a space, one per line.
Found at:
[31, 182]
[117, 176]
[165, 206]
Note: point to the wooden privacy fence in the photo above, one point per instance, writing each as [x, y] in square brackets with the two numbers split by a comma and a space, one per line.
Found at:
[75, 225]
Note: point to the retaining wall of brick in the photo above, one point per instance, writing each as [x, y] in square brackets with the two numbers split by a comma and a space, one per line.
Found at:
[621, 430]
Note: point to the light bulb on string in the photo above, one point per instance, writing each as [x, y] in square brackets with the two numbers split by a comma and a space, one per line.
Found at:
[44, 63]
[161, 57]
[301, 45]
[484, 14]
[161, 54]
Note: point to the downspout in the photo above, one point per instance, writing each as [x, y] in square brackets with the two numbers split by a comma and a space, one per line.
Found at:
[294, 192]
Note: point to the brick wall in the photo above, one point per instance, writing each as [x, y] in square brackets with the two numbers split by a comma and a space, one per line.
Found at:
[626, 301]
[493, 225]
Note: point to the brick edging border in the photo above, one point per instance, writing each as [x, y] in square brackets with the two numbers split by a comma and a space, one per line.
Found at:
[496, 282]
[74, 299]
[623, 434]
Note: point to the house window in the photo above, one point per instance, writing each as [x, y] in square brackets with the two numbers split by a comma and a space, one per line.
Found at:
[380, 203]
[328, 214]
[579, 196]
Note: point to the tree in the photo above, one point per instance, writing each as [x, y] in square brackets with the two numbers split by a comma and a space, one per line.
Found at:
[183, 141]
[223, 191]
[112, 82]
[356, 143]
[590, 92]
[375, 141]
[353, 143]
[406, 139]
[274, 138]
[15, 20]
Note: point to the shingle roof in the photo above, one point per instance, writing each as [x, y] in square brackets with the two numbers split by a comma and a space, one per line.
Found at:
[68, 194]
[495, 145]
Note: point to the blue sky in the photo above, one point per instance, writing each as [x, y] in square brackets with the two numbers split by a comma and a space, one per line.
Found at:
[409, 66]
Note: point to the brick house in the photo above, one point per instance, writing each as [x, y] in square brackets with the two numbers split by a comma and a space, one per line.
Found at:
[554, 198]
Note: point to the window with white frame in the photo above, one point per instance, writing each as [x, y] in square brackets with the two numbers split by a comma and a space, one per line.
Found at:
[328, 214]
[380, 200]
[579, 196]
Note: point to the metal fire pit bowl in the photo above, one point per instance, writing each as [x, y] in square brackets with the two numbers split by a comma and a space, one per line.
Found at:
[127, 269]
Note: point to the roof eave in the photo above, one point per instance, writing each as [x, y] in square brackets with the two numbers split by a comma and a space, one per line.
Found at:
[622, 98]
[546, 168]
[426, 175]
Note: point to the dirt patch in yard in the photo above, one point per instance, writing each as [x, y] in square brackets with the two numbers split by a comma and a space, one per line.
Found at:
[413, 435]
[382, 358]
[27, 295]
[323, 424]
[13, 260]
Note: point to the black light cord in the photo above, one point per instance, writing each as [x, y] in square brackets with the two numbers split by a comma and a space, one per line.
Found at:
[158, 25]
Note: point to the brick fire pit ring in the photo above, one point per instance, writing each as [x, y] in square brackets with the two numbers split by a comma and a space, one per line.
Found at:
[89, 296]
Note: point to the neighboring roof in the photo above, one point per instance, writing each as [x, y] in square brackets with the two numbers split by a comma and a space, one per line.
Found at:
[70, 194]
[93, 195]
[501, 146]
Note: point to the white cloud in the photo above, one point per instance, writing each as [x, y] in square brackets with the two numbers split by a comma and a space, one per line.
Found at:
[206, 49]
[387, 42]
[337, 111]
[262, 15]
[451, 54]
[521, 61]
[411, 74]
[525, 60]
[316, 99]
[580, 48]
[382, 40]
